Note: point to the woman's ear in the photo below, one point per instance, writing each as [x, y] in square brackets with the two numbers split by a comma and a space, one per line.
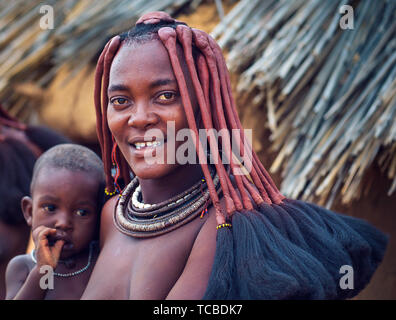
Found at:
[27, 209]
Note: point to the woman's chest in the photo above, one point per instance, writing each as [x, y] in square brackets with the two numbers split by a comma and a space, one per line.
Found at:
[144, 268]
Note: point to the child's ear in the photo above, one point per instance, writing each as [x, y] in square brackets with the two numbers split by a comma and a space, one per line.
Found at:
[27, 209]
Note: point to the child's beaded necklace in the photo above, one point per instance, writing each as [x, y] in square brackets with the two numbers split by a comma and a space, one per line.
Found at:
[70, 274]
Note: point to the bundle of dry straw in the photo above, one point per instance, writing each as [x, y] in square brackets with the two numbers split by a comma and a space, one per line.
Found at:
[329, 94]
[32, 55]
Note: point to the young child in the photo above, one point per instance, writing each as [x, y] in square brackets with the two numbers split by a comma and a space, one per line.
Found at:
[63, 213]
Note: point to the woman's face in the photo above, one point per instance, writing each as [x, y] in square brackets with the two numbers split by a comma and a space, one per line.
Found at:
[144, 95]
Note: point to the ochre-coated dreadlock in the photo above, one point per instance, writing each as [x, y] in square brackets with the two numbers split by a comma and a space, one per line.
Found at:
[212, 88]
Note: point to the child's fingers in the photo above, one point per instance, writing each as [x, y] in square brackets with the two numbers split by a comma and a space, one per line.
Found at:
[57, 249]
[50, 255]
[42, 231]
[44, 256]
[43, 236]
[46, 232]
[44, 252]
[36, 232]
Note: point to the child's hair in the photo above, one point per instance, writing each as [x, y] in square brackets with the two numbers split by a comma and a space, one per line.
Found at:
[72, 157]
[212, 86]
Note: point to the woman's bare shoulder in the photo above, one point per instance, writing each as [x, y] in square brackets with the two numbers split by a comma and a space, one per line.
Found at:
[193, 281]
[106, 219]
[207, 234]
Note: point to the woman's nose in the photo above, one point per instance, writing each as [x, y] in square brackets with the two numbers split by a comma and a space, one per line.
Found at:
[143, 117]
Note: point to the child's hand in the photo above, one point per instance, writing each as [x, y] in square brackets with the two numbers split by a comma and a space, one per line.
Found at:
[46, 254]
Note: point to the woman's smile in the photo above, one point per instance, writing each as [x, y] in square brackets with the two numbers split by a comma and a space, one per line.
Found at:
[147, 142]
[148, 149]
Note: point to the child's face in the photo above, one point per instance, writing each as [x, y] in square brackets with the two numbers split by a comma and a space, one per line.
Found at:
[143, 94]
[67, 201]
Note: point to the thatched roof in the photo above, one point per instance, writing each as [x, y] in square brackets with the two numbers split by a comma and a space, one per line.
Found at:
[328, 95]
[32, 55]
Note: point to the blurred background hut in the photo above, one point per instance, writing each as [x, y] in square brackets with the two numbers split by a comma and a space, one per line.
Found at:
[314, 80]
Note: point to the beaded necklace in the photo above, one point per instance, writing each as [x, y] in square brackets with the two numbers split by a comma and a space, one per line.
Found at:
[136, 219]
[70, 274]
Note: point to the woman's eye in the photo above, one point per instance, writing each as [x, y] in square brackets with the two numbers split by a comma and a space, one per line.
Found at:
[49, 208]
[119, 101]
[82, 212]
[166, 96]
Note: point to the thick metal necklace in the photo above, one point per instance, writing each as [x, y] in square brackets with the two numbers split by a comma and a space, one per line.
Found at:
[136, 219]
[71, 274]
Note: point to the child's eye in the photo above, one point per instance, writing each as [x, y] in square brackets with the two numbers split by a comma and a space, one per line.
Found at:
[82, 212]
[49, 207]
[166, 96]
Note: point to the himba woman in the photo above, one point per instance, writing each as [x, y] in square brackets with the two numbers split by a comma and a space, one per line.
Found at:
[193, 231]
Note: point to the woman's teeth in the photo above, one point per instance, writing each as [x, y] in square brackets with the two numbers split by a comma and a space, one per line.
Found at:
[152, 144]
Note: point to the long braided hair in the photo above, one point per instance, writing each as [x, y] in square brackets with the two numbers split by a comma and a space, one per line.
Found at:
[212, 87]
